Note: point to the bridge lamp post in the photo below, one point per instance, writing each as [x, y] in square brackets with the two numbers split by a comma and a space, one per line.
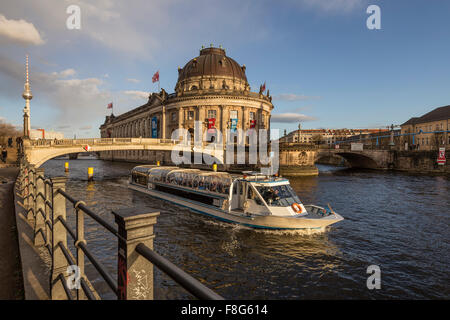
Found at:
[299, 132]
[391, 142]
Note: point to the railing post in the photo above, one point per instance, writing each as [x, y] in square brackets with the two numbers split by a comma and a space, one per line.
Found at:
[59, 234]
[31, 193]
[48, 215]
[135, 273]
[25, 186]
[39, 216]
[80, 254]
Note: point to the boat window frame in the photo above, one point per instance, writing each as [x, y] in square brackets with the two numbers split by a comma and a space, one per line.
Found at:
[258, 195]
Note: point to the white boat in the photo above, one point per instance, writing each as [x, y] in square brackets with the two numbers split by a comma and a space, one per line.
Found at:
[250, 199]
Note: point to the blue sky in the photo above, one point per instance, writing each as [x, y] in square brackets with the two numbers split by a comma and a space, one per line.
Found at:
[317, 57]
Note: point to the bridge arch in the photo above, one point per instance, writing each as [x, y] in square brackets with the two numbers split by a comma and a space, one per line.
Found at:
[354, 159]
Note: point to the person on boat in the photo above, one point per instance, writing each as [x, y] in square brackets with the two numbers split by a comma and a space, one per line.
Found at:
[270, 195]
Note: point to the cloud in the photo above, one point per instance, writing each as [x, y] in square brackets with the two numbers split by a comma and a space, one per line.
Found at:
[333, 6]
[293, 97]
[86, 128]
[133, 80]
[65, 73]
[74, 100]
[62, 127]
[290, 118]
[137, 94]
[19, 31]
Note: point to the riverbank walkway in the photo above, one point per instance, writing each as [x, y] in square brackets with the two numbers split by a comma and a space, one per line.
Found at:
[11, 284]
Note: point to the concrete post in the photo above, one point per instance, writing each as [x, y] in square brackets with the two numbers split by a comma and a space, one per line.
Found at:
[80, 254]
[48, 215]
[25, 187]
[59, 234]
[135, 273]
[31, 193]
[39, 216]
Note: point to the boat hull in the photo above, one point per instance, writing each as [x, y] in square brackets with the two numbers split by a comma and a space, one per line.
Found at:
[253, 221]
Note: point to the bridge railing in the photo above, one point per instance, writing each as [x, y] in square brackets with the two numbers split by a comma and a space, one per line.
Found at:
[99, 141]
[45, 203]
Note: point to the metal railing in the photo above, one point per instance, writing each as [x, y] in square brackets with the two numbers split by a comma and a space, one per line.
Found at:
[45, 204]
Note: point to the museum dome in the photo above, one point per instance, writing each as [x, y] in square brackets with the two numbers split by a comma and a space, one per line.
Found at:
[212, 63]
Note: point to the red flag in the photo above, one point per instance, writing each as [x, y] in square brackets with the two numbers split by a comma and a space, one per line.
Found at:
[110, 105]
[155, 77]
[264, 87]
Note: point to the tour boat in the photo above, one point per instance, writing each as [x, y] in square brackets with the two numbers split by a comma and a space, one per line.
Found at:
[250, 199]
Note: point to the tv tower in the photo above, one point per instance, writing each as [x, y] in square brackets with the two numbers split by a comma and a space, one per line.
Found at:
[26, 111]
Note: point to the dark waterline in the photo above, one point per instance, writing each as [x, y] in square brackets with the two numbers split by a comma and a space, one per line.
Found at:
[397, 221]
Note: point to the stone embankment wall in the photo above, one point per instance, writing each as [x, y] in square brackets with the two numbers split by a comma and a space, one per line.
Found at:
[420, 162]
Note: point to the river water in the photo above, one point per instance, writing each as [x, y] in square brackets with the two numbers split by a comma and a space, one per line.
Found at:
[398, 221]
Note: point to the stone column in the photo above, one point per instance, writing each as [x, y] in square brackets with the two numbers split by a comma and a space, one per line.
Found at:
[135, 273]
[163, 124]
[180, 120]
[59, 234]
[222, 125]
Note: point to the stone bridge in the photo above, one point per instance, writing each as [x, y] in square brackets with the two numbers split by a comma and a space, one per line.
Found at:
[370, 159]
[39, 151]
[299, 159]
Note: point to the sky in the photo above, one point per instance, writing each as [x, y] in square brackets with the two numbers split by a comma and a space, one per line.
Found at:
[323, 66]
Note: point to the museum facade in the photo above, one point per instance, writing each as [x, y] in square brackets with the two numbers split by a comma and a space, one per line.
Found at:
[212, 89]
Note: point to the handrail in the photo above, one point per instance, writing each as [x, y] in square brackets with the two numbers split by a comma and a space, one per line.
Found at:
[189, 283]
[100, 268]
[64, 284]
[87, 290]
[52, 208]
[92, 214]
[64, 223]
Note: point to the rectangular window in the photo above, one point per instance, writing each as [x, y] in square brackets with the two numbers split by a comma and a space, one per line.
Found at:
[251, 116]
[190, 115]
[211, 114]
[233, 114]
[173, 116]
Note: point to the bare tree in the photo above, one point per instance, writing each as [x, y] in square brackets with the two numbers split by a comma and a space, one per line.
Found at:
[317, 139]
[437, 140]
[7, 131]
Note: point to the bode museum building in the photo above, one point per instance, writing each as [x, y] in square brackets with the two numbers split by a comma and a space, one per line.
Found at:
[211, 88]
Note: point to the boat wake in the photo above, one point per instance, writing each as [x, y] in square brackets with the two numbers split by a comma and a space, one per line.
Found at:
[237, 227]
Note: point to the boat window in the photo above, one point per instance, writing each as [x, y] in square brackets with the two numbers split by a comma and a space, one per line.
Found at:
[252, 195]
[139, 178]
[278, 196]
